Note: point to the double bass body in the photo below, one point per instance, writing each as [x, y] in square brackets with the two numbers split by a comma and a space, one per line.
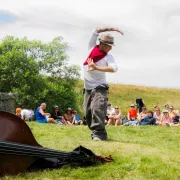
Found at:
[13, 129]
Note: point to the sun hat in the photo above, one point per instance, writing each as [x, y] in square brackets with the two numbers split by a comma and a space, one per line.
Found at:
[132, 105]
[107, 39]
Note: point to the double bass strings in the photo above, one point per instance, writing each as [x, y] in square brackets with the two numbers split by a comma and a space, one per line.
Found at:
[21, 149]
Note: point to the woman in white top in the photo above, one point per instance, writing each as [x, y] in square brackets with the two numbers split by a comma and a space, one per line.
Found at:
[157, 115]
[115, 118]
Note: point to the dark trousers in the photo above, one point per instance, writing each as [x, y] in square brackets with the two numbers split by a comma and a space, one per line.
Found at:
[95, 106]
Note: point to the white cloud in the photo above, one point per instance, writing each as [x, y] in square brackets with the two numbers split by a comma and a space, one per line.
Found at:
[148, 54]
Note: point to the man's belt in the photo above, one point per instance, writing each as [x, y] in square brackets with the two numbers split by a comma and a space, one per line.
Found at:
[102, 86]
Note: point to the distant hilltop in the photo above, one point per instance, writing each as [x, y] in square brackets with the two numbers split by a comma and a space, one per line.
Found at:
[124, 95]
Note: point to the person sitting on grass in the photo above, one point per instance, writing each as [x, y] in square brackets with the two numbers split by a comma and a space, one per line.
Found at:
[115, 117]
[56, 114]
[43, 117]
[166, 119]
[110, 111]
[142, 114]
[132, 113]
[166, 106]
[157, 115]
[172, 112]
[77, 119]
[69, 117]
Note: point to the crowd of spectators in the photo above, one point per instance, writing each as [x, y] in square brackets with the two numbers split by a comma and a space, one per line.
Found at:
[167, 117]
[69, 117]
[135, 117]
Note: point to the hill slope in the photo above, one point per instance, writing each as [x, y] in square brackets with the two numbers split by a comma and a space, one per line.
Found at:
[124, 95]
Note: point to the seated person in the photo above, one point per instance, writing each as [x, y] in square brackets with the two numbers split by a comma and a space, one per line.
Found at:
[166, 119]
[77, 119]
[166, 106]
[148, 120]
[172, 112]
[115, 117]
[27, 114]
[142, 114]
[18, 112]
[132, 113]
[110, 111]
[157, 115]
[43, 117]
[69, 117]
[56, 114]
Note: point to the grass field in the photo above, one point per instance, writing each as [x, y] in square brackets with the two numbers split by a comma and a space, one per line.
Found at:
[124, 95]
[139, 153]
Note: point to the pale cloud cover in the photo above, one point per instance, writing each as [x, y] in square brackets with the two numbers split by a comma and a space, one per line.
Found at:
[148, 54]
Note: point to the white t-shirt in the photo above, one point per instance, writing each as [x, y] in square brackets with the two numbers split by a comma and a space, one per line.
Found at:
[27, 113]
[95, 78]
[110, 111]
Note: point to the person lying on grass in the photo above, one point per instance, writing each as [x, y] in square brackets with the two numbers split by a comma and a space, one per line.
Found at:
[147, 120]
[43, 117]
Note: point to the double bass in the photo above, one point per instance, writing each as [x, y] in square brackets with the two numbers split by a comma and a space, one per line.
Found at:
[19, 150]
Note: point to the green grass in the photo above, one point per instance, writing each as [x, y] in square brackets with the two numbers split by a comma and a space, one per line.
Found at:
[124, 95]
[139, 153]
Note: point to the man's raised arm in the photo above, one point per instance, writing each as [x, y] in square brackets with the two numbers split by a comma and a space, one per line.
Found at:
[95, 35]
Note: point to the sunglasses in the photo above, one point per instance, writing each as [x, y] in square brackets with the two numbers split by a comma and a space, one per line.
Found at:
[116, 108]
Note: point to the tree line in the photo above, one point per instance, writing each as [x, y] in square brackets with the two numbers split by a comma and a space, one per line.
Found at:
[37, 72]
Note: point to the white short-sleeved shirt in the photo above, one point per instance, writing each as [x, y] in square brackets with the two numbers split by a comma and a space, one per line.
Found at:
[27, 113]
[95, 78]
[110, 111]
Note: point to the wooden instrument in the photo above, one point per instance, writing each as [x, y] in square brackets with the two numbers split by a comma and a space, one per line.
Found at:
[19, 149]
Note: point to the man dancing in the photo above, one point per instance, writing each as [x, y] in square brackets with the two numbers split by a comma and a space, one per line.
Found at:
[97, 63]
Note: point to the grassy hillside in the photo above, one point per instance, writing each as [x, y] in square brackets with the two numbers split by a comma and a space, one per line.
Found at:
[124, 95]
[139, 153]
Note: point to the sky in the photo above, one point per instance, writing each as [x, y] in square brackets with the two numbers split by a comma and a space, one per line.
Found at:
[148, 54]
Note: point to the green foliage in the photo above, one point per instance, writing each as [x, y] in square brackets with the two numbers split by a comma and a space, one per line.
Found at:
[139, 153]
[37, 72]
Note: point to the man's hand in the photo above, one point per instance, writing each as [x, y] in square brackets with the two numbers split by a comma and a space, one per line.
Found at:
[91, 65]
[99, 30]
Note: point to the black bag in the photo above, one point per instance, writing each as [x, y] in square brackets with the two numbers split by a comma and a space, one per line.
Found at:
[176, 120]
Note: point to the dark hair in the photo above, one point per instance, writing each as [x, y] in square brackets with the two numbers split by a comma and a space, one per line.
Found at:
[144, 108]
[150, 112]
